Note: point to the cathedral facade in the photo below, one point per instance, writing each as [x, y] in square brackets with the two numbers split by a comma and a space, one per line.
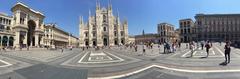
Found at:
[103, 28]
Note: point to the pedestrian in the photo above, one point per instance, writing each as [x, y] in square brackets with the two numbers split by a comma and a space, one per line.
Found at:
[173, 47]
[227, 52]
[136, 47]
[144, 50]
[27, 48]
[208, 46]
[4, 48]
[179, 44]
[62, 50]
[165, 47]
[191, 48]
[202, 44]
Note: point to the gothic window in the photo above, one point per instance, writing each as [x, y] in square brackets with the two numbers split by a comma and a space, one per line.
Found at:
[86, 34]
[94, 34]
[104, 29]
[115, 33]
[122, 33]
[115, 27]
[104, 18]
[94, 27]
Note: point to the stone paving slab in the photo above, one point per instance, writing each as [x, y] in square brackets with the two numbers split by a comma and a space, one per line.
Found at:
[42, 55]
[153, 73]
[42, 71]
[2, 63]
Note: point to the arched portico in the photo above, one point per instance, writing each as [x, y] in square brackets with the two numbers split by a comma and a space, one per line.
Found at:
[28, 26]
[30, 33]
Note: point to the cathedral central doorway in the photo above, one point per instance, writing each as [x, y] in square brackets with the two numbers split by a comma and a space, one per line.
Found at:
[105, 41]
[30, 33]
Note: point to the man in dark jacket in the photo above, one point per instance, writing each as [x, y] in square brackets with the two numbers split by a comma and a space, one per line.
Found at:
[227, 52]
[208, 46]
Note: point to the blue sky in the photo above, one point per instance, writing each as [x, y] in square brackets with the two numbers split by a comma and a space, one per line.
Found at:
[141, 14]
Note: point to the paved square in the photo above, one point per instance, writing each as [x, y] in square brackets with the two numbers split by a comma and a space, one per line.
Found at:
[114, 62]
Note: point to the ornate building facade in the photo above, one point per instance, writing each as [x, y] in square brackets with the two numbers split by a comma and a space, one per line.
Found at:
[6, 32]
[25, 28]
[56, 37]
[103, 29]
[167, 33]
[218, 27]
[186, 30]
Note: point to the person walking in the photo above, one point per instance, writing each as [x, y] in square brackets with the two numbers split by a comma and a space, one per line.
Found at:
[62, 49]
[208, 46]
[227, 52]
[136, 47]
[165, 48]
[191, 48]
[144, 50]
[202, 44]
[179, 44]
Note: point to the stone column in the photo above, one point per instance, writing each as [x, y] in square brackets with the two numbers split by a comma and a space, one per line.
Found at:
[36, 40]
[8, 41]
[26, 20]
[42, 40]
[25, 39]
[17, 38]
[69, 40]
[1, 40]
[17, 17]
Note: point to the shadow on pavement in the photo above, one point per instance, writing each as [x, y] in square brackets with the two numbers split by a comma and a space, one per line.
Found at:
[223, 64]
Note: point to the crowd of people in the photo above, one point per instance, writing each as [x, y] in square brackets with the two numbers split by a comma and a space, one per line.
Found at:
[171, 47]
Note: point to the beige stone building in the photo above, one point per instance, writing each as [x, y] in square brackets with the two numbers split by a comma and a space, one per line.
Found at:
[140, 39]
[131, 40]
[6, 32]
[186, 30]
[103, 29]
[176, 35]
[56, 37]
[25, 28]
[166, 32]
[218, 27]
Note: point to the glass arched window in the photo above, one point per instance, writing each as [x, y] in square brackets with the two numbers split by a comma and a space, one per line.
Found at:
[104, 18]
